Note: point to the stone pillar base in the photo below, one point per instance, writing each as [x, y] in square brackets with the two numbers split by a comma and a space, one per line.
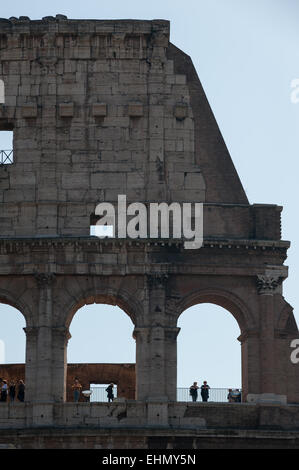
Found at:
[157, 414]
[271, 398]
[42, 414]
[158, 399]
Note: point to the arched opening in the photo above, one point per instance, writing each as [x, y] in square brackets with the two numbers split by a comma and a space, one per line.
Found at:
[101, 350]
[12, 352]
[209, 350]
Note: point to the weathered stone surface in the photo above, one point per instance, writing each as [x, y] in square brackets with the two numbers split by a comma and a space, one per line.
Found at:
[66, 109]
[29, 111]
[99, 109]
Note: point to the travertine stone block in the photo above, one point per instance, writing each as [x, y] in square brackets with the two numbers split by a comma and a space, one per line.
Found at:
[29, 111]
[181, 111]
[99, 109]
[66, 110]
[135, 109]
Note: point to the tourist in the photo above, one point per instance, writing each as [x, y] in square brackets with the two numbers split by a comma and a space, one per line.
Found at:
[21, 391]
[205, 391]
[194, 391]
[77, 387]
[230, 396]
[110, 394]
[4, 390]
[12, 391]
[238, 396]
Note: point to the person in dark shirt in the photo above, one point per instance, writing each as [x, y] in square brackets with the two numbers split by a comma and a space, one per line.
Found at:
[12, 391]
[21, 391]
[205, 391]
[110, 394]
[193, 390]
[4, 390]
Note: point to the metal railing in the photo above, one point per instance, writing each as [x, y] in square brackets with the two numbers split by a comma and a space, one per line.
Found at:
[99, 394]
[6, 157]
[216, 395]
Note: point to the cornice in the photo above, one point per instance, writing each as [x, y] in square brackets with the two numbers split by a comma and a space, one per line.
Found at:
[44, 242]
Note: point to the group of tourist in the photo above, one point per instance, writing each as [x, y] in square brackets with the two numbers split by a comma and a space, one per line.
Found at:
[12, 391]
[234, 395]
[204, 391]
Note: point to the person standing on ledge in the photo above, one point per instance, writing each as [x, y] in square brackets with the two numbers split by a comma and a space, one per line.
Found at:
[12, 391]
[21, 391]
[4, 390]
[110, 394]
[194, 391]
[77, 387]
[205, 391]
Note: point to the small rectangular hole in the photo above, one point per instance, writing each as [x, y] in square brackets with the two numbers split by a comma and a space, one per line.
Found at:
[6, 147]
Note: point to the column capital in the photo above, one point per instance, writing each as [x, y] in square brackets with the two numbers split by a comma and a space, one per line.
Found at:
[31, 331]
[142, 334]
[171, 333]
[145, 334]
[62, 331]
[250, 333]
[44, 280]
[267, 284]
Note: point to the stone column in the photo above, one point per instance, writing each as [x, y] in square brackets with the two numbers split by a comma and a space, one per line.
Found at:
[152, 347]
[268, 285]
[60, 337]
[142, 337]
[156, 288]
[170, 335]
[249, 340]
[43, 391]
[30, 363]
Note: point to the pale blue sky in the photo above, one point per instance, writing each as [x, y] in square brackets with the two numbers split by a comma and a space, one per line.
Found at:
[246, 53]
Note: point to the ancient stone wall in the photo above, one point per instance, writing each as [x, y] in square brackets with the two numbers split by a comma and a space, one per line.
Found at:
[99, 109]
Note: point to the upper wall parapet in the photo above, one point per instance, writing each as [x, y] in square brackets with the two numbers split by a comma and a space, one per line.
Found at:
[61, 33]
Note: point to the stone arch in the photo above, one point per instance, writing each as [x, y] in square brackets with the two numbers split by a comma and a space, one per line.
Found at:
[75, 296]
[237, 308]
[228, 300]
[8, 298]
[104, 295]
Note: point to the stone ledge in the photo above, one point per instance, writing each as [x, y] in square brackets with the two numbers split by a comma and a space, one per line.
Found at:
[208, 243]
[61, 24]
[138, 414]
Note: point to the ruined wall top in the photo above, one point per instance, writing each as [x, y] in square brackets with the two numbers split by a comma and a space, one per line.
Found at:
[62, 24]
